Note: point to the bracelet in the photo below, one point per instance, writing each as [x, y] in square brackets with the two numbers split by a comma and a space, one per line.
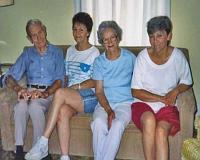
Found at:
[79, 86]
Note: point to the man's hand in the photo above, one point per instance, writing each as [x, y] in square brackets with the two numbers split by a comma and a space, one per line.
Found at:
[39, 94]
[45, 94]
[35, 94]
[23, 93]
[111, 116]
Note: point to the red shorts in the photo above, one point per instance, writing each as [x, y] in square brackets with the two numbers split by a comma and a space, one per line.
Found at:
[169, 114]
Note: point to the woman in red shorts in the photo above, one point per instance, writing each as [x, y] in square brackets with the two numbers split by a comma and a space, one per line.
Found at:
[161, 73]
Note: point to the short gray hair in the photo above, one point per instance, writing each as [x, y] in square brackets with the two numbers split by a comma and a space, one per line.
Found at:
[108, 24]
[34, 22]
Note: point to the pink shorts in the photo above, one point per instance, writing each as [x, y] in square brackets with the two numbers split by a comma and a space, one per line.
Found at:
[169, 114]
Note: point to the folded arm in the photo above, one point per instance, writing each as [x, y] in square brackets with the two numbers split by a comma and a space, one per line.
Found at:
[168, 99]
[146, 95]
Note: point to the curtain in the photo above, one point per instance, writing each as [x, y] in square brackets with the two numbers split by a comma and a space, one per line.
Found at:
[131, 15]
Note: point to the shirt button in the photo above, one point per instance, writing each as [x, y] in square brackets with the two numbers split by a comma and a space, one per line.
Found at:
[42, 69]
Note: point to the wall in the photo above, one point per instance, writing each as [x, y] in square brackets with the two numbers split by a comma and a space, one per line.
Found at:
[57, 14]
[185, 17]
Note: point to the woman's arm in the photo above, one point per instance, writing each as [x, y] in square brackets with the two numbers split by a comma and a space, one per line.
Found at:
[104, 102]
[84, 85]
[170, 97]
[87, 84]
[101, 96]
[147, 96]
[182, 88]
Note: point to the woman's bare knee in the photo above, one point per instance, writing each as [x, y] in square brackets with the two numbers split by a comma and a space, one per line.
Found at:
[66, 113]
[148, 120]
[60, 93]
[162, 129]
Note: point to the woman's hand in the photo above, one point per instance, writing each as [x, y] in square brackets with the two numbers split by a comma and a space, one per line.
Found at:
[111, 116]
[75, 86]
[170, 97]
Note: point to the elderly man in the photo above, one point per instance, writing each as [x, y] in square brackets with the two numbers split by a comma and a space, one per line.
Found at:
[43, 65]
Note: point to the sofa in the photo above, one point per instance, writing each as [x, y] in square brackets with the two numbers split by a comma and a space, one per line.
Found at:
[81, 135]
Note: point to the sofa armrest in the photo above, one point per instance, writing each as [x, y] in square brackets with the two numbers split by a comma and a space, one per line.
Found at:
[8, 98]
[187, 107]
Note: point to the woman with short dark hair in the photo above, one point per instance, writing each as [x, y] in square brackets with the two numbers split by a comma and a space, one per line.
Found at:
[161, 73]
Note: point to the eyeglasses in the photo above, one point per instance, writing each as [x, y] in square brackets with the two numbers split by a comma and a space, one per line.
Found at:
[34, 36]
[110, 39]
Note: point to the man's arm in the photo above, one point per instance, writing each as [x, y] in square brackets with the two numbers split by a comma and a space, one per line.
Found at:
[52, 89]
[22, 93]
[12, 83]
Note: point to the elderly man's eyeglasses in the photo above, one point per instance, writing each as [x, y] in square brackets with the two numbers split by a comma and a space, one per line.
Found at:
[41, 33]
[110, 39]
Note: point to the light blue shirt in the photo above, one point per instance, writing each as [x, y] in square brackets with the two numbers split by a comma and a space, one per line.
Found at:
[39, 69]
[116, 76]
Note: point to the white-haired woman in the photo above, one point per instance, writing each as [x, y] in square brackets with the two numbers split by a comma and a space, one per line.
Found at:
[112, 74]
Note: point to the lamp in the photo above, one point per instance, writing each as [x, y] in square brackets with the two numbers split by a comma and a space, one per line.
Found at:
[6, 2]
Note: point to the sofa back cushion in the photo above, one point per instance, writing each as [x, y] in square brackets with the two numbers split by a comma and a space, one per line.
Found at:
[134, 49]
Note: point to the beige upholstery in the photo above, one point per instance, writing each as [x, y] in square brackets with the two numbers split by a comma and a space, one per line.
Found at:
[81, 136]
